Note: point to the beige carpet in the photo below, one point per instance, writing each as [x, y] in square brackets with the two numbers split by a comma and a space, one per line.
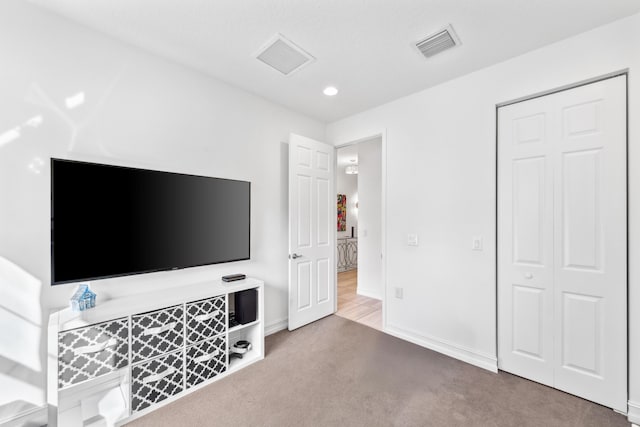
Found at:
[336, 372]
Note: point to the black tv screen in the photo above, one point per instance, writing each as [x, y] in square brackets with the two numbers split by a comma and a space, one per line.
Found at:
[109, 221]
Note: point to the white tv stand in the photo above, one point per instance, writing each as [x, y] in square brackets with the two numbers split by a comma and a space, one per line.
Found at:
[129, 356]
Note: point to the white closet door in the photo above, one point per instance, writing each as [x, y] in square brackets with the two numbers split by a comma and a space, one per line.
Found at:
[590, 215]
[525, 233]
[563, 241]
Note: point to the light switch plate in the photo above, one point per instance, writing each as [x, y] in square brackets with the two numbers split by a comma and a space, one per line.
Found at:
[398, 293]
[412, 239]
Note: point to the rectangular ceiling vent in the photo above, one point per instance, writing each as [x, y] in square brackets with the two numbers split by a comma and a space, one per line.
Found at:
[283, 55]
[438, 42]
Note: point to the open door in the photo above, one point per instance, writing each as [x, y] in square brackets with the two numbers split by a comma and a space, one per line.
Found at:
[312, 213]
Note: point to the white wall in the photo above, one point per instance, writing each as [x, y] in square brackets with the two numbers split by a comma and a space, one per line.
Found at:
[140, 111]
[348, 185]
[370, 218]
[441, 185]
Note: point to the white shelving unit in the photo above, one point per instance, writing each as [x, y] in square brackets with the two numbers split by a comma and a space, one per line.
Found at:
[129, 356]
[249, 332]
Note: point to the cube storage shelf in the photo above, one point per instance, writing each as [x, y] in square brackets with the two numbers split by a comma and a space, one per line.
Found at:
[129, 356]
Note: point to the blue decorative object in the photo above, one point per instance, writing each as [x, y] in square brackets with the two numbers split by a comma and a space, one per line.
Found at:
[83, 298]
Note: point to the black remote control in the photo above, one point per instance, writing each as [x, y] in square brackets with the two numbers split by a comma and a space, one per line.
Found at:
[233, 277]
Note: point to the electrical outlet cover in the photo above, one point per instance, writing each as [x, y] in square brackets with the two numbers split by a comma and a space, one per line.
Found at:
[477, 243]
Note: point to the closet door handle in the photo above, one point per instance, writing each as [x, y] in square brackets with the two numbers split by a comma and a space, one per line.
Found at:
[160, 329]
[208, 316]
[295, 256]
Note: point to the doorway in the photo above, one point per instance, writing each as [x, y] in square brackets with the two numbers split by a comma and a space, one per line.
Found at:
[359, 235]
[562, 240]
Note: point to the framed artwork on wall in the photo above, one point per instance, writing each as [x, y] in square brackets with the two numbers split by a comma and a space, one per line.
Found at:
[342, 212]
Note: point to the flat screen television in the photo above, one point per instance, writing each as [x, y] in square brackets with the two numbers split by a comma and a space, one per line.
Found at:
[110, 221]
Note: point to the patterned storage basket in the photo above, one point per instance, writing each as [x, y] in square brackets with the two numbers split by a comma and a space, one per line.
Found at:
[157, 332]
[156, 380]
[205, 319]
[92, 351]
[206, 360]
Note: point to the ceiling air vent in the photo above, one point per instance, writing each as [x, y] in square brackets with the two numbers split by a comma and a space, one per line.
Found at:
[438, 42]
[283, 55]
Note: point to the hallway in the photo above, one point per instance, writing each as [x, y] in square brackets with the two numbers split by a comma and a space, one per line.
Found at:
[361, 309]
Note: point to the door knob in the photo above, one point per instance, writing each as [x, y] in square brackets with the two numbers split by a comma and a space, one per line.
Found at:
[295, 256]
[528, 275]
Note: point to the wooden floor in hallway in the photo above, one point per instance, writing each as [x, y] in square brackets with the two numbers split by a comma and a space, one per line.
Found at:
[361, 309]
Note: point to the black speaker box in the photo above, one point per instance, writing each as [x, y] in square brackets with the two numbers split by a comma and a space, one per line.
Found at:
[246, 306]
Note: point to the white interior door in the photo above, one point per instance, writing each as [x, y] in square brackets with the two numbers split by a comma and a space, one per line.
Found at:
[562, 236]
[312, 213]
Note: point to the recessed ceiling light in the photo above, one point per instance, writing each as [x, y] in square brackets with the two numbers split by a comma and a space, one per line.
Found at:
[330, 91]
[74, 100]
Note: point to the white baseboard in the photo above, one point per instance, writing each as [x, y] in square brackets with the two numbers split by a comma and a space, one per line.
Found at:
[370, 294]
[276, 326]
[633, 413]
[34, 417]
[473, 357]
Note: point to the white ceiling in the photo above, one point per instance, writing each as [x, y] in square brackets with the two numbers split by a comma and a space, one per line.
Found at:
[363, 47]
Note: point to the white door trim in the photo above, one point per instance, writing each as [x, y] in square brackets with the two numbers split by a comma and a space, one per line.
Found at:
[613, 74]
[382, 133]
